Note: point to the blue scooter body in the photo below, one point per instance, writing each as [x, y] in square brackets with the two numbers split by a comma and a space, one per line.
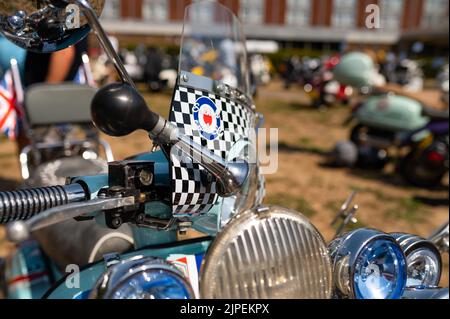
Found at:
[31, 275]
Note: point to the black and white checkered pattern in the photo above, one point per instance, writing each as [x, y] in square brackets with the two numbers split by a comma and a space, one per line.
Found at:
[193, 193]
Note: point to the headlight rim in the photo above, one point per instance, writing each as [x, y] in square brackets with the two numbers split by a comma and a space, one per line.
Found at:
[250, 218]
[359, 239]
[118, 274]
[411, 243]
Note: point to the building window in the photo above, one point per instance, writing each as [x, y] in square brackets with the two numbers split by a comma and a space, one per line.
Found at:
[252, 11]
[298, 12]
[155, 10]
[344, 12]
[203, 14]
[111, 9]
[391, 13]
[435, 14]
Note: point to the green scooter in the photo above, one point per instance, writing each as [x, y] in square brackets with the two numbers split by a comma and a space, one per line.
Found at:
[385, 121]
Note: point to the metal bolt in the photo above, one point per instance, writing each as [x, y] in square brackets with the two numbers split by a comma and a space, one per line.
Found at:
[184, 77]
[183, 227]
[220, 87]
[22, 14]
[140, 218]
[18, 232]
[116, 222]
[15, 22]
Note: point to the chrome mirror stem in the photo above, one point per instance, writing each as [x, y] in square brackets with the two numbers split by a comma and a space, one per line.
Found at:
[231, 176]
[346, 214]
[440, 238]
[104, 40]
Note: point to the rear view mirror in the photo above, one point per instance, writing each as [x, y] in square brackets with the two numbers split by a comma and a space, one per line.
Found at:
[45, 25]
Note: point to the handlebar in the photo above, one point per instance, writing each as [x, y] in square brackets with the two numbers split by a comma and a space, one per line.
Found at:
[26, 203]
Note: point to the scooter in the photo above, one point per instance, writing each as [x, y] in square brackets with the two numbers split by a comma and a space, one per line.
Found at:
[202, 174]
[56, 121]
[386, 121]
[323, 89]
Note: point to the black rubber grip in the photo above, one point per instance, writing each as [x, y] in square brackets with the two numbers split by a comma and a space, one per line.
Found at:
[24, 204]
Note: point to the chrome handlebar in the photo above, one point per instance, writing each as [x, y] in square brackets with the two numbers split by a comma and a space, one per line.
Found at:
[93, 21]
[26, 203]
[20, 231]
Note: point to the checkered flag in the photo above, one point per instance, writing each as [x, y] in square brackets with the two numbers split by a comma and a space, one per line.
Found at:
[193, 189]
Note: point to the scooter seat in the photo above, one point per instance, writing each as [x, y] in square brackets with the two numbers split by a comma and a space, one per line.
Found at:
[436, 115]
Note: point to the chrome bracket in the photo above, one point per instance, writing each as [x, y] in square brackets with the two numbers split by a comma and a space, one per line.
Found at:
[111, 259]
[346, 214]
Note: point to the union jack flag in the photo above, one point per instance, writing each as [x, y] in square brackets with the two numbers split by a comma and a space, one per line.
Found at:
[9, 111]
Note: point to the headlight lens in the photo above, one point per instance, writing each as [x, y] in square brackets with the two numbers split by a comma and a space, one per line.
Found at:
[423, 269]
[423, 260]
[379, 271]
[152, 284]
[268, 253]
[368, 264]
[142, 278]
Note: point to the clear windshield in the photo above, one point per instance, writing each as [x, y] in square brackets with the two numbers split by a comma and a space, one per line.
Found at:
[213, 45]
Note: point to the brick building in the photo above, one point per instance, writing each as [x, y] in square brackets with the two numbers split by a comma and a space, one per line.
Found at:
[311, 23]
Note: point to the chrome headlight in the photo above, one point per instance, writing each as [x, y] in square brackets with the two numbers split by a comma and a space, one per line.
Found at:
[423, 260]
[269, 253]
[142, 278]
[368, 264]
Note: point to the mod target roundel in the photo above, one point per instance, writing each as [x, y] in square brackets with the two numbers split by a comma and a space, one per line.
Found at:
[207, 118]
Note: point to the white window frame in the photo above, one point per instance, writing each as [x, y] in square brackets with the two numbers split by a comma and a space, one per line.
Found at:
[435, 14]
[112, 10]
[203, 16]
[252, 11]
[391, 14]
[155, 10]
[344, 14]
[298, 12]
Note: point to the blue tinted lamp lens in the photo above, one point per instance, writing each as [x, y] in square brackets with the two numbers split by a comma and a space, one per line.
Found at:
[380, 271]
[153, 284]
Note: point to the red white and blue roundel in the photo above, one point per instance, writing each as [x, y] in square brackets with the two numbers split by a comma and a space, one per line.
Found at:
[207, 118]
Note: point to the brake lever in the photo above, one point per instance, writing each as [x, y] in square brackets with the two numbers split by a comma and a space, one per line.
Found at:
[20, 231]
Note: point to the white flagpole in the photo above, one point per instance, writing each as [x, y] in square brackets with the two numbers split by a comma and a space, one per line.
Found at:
[87, 70]
[19, 91]
[18, 87]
